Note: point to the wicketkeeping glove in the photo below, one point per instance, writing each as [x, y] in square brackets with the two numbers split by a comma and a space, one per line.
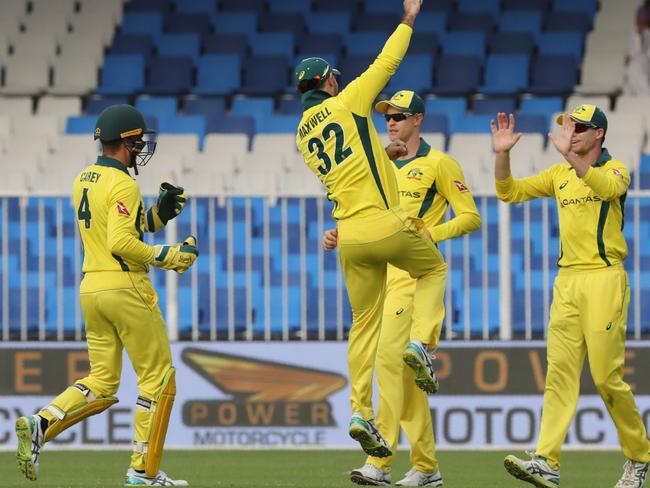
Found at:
[177, 258]
[171, 201]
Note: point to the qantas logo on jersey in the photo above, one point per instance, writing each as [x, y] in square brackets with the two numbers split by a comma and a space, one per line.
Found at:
[415, 174]
[122, 210]
[313, 121]
[461, 187]
[566, 202]
[411, 194]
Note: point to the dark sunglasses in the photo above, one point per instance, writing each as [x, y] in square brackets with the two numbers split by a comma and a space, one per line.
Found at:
[580, 128]
[398, 117]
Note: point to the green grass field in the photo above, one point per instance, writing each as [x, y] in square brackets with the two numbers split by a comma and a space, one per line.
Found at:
[460, 469]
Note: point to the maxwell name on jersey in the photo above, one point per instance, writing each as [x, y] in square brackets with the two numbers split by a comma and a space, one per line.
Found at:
[313, 121]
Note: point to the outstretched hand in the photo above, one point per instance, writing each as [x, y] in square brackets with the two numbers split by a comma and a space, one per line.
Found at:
[563, 142]
[504, 136]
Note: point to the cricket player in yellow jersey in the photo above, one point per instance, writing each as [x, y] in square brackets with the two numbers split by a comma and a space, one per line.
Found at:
[591, 293]
[429, 181]
[118, 302]
[341, 146]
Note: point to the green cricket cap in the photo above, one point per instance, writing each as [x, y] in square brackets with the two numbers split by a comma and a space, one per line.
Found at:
[313, 69]
[587, 114]
[404, 100]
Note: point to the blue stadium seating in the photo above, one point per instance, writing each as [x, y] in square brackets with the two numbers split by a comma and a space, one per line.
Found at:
[376, 23]
[472, 124]
[491, 106]
[457, 75]
[218, 74]
[183, 124]
[471, 22]
[511, 43]
[289, 106]
[143, 23]
[542, 105]
[289, 6]
[368, 43]
[431, 22]
[150, 5]
[128, 43]
[525, 5]
[320, 43]
[179, 45]
[283, 22]
[553, 74]
[232, 125]
[159, 107]
[435, 123]
[235, 22]
[425, 43]
[521, 21]
[351, 6]
[278, 124]
[532, 123]
[122, 74]
[490, 6]
[336, 22]
[568, 22]
[96, 105]
[452, 108]
[464, 43]
[379, 6]
[265, 75]
[353, 66]
[195, 6]
[275, 43]
[83, 124]
[229, 43]
[183, 23]
[258, 108]
[505, 74]
[239, 5]
[561, 43]
[209, 107]
[169, 75]
[415, 73]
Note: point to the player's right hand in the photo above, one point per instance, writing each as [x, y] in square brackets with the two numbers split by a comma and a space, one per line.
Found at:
[176, 258]
[412, 7]
[503, 133]
[330, 239]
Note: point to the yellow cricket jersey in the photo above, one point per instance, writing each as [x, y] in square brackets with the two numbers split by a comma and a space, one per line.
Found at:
[428, 183]
[340, 144]
[111, 218]
[590, 210]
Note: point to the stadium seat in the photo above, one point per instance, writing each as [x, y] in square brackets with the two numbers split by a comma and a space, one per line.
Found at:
[532, 123]
[464, 43]
[159, 107]
[424, 43]
[491, 106]
[457, 75]
[183, 124]
[541, 5]
[289, 6]
[259, 108]
[196, 6]
[274, 43]
[25, 77]
[435, 123]
[233, 125]
[179, 45]
[453, 108]
[290, 106]
[365, 43]
[122, 74]
[505, 74]
[336, 5]
[16, 106]
[234, 22]
[415, 72]
[553, 74]
[150, 5]
[129, 43]
[471, 22]
[370, 22]
[225, 44]
[239, 5]
[265, 75]
[568, 21]
[212, 107]
[511, 43]
[521, 21]
[353, 66]
[59, 107]
[187, 23]
[561, 43]
[169, 75]
[83, 124]
[432, 22]
[143, 23]
[278, 124]
[489, 6]
[283, 22]
[329, 22]
[546, 106]
[472, 124]
[96, 105]
[589, 6]
[320, 43]
[218, 74]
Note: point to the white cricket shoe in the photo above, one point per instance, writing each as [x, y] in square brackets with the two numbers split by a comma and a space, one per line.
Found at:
[135, 478]
[417, 357]
[536, 471]
[418, 478]
[634, 475]
[370, 474]
[30, 441]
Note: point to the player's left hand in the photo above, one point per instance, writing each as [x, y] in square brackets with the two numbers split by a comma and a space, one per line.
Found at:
[563, 142]
[171, 201]
[396, 149]
[330, 239]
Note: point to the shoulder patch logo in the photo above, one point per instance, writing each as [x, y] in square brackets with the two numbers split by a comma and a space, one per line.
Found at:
[460, 185]
[563, 184]
[617, 173]
[122, 210]
[415, 174]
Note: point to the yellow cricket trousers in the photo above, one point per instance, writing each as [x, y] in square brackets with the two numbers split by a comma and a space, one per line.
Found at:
[400, 400]
[589, 316]
[121, 312]
[366, 246]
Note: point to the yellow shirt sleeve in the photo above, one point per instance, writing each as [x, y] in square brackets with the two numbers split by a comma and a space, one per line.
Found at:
[451, 185]
[513, 190]
[609, 181]
[124, 231]
[359, 95]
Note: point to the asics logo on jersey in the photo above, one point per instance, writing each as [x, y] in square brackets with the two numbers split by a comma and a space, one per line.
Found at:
[399, 311]
[609, 326]
[564, 183]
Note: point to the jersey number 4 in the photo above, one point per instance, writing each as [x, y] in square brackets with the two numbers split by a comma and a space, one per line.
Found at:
[341, 153]
[83, 212]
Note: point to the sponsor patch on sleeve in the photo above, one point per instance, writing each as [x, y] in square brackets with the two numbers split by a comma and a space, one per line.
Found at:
[122, 210]
[461, 187]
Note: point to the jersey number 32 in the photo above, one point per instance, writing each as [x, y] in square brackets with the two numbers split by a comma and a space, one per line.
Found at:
[341, 153]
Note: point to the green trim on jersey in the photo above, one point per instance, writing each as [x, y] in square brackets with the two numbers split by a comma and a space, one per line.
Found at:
[427, 201]
[123, 265]
[111, 163]
[364, 134]
[604, 157]
[602, 218]
[621, 200]
[151, 224]
[312, 98]
[137, 223]
[423, 150]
